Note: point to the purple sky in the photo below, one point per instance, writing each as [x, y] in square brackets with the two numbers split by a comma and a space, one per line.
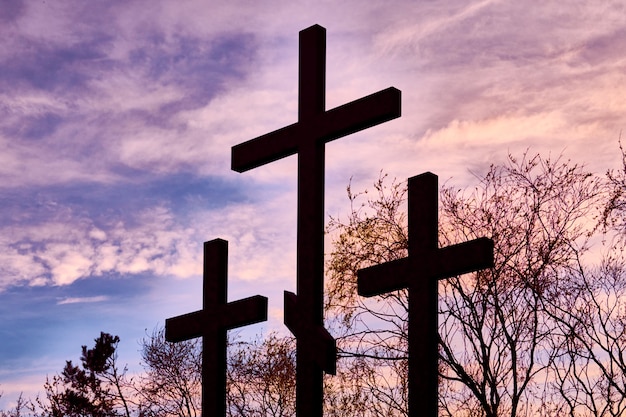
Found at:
[117, 119]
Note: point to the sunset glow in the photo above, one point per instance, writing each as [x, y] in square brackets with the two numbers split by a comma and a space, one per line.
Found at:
[117, 121]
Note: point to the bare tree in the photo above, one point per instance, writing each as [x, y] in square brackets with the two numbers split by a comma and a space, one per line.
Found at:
[371, 334]
[540, 214]
[22, 406]
[614, 215]
[590, 313]
[261, 377]
[494, 336]
[171, 383]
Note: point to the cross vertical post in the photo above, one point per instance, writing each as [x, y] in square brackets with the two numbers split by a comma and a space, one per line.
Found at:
[310, 242]
[304, 311]
[212, 322]
[419, 273]
[423, 305]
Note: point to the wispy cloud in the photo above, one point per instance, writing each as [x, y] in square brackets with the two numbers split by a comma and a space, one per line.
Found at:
[61, 252]
[82, 300]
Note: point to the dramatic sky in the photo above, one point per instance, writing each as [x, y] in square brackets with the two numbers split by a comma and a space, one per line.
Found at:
[117, 120]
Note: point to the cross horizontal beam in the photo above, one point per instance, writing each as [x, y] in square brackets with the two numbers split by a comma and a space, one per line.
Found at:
[438, 264]
[333, 124]
[235, 314]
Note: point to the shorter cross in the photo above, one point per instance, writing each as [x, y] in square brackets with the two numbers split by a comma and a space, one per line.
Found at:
[212, 322]
[419, 272]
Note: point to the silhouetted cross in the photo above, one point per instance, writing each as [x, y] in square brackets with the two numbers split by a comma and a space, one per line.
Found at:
[316, 351]
[419, 272]
[211, 323]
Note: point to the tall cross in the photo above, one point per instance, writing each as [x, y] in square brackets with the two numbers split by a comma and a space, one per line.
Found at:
[212, 322]
[419, 273]
[304, 312]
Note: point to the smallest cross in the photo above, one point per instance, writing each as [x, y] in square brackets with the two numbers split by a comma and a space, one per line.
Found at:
[419, 273]
[212, 322]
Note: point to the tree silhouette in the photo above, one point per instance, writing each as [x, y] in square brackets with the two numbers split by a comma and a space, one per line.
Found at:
[95, 389]
[22, 406]
[260, 377]
[170, 385]
[542, 333]
[496, 339]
